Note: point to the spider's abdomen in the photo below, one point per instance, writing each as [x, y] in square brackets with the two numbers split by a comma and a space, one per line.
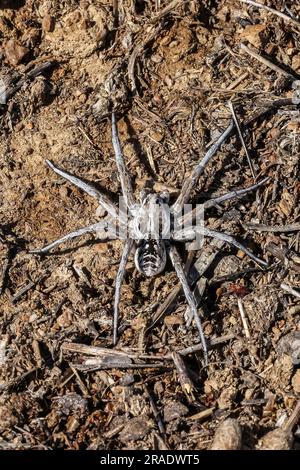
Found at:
[150, 257]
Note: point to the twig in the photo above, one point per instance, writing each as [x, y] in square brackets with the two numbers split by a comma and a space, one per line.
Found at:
[4, 273]
[155, 411]
[233, 276]
[276, 228]
[16, 83]
[290, 290]
[243, 318]
[198, 347]
[98, 365]
[183, 375]
[202, 414]
[164, 307]
[287, 256]
[105, 352]
[267, 62]
[237, 125]
[173, 4]
[28, 286]
[272, 10]
[14, 382]
[80, 382]
[293, 419]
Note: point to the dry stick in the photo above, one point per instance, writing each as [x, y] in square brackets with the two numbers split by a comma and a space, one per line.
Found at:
[98, 352]
[28, 286]
[276, 228]
[233, 276]
[272, 10]
[198, 347]
[153, 32]
[293, 419]
[120, 365]
[243, 318]
[12, 88]
[155, 411]
[3, 274]
[290, 290]
[237, 125]
[267, 62]
[14, 382]
[167, 10]
[183, 375]
[80, 382]
[285, 255]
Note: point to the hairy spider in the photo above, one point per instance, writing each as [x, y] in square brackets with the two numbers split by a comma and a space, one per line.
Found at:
[152, 241]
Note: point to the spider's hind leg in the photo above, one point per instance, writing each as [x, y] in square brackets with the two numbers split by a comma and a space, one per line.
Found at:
[176, 261]
[119, 280]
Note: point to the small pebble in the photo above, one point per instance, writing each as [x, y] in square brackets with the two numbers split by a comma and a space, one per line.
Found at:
[48, 23]
[278, 439]
[228, 436]
[14, 52]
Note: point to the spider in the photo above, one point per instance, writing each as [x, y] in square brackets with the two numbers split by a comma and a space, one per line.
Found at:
[153, 246]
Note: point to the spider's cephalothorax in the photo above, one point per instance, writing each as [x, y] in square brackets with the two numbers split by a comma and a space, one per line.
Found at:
[150, 227]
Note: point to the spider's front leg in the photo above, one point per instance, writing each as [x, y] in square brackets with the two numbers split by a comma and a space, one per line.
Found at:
[191, 181]
[125, 180]
[176, 261]
[104, 226]
[104, 200]
[189, 234]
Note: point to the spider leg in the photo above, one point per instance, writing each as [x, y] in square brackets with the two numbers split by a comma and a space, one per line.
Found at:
[120, 276]
[233, 194]
[189, 234]
[104, 225]
[190, 182]
[104, 200]
[176, 261]
[123, 173]
[189, 217]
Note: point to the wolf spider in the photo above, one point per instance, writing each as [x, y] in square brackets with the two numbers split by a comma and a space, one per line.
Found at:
[152, 246]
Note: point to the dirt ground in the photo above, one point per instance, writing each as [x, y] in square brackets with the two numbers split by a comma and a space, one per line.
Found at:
[169, 70]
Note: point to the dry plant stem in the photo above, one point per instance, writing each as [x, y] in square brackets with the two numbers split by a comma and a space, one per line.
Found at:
[290, 290]
[183, 375]
[117, 365]
[173, 4]
[237, 125]
[243, 318]
[276, 228]
[272, 10]
[14, 382]
[12, 88]
[27, 287]
[152, 33]
[293, 419]
[3, 274]
[266, 62]
[155, 411]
